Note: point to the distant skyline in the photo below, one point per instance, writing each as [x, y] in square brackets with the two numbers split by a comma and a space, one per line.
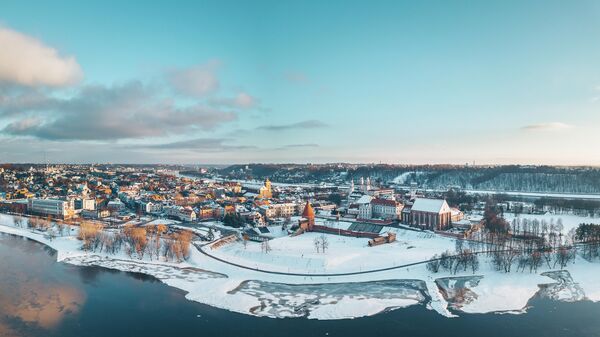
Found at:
[221, 82]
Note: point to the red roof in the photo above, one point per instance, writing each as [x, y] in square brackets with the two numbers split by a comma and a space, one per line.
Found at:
[384, 202]
[308, 211]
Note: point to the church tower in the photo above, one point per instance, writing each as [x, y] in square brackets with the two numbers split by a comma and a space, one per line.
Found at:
[265, 191]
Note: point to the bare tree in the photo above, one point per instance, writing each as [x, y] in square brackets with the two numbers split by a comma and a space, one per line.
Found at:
[434, 264]
[265, 246]
[563, 256]
[88, 233]
[245, 239]
[324, 243]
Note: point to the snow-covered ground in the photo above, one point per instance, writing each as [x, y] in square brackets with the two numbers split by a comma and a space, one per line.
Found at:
[344, 254]
[226, 286]
[569, 221]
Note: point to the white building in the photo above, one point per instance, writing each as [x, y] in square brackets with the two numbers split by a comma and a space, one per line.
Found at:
[88, 204]
[364, 207]
[386, 209]
[181, 213]
[153, 207]
[53, 207]
[282, 210]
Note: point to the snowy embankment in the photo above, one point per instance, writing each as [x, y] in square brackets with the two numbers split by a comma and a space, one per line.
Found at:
[226, 286]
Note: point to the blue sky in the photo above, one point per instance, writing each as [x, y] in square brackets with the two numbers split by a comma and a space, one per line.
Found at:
[305, 81]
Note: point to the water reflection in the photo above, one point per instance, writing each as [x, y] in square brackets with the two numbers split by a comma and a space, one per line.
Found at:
[36, 303]
[30, 297]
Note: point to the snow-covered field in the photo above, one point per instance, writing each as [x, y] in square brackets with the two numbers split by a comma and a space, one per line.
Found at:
[226, 286]
[344, 254]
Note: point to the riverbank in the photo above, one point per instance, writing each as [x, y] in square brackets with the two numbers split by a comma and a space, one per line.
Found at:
[209, 281]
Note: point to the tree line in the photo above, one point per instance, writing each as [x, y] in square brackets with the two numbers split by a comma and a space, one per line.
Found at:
[152, 241]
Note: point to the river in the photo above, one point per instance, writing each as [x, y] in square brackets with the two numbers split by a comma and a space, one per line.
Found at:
[41, 297]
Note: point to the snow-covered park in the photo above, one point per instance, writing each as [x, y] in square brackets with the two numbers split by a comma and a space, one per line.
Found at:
[223, 285]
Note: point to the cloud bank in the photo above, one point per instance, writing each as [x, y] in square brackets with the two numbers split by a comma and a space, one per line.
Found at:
[200, 145]
[95, 112]
[308, 124]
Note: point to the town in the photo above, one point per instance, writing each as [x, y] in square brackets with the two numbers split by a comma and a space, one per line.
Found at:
[123, 195]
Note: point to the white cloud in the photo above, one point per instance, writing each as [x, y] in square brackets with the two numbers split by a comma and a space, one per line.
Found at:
[27, 61]
[242, 100]
[196, 81]
[552, 126]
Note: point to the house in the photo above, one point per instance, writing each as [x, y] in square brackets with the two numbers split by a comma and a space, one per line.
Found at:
[457, 215]
[432, 214]
[187, 214]
[181, 213]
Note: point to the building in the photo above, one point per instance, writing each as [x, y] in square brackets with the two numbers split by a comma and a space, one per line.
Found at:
[364, 207]
[116, 205]
[88, 204]
[186, 214]
[307, 222]
[265, 192]
[386, 209]
[152, 207]
[383, 193]
[282, 210]
[432, 214]
[457, 215]
[53, 207]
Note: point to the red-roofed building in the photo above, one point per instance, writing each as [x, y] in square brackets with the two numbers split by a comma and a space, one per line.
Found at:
[386, 209]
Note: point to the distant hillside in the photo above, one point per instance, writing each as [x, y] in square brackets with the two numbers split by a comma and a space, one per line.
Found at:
[507, 178]
[499, 178]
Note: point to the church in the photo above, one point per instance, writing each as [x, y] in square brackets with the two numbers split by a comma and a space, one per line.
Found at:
[432, 214]
[265, 191]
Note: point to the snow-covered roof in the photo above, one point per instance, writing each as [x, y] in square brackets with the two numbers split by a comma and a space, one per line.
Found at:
[430, 205]
[365, 199]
